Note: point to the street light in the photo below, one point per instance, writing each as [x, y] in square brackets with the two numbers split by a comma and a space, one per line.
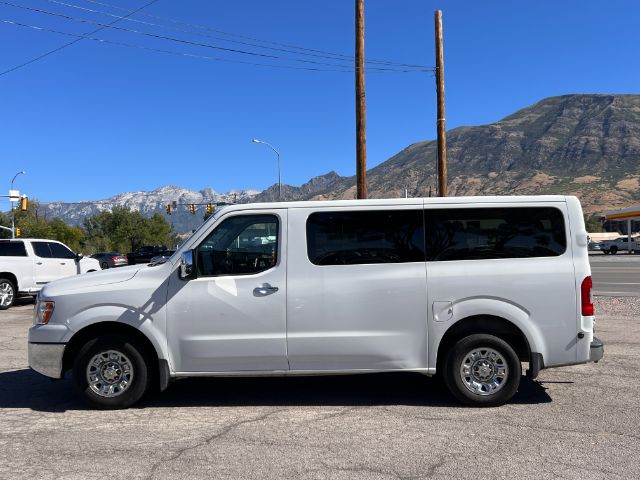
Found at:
[13, 216]
[255, 140]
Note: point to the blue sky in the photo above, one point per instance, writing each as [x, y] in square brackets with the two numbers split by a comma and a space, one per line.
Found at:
[95, 119]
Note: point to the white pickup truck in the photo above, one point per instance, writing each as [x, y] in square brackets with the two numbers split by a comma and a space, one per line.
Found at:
[620, 244]
[26, 265]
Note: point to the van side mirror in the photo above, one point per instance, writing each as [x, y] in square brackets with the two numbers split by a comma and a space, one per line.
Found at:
[187, 266]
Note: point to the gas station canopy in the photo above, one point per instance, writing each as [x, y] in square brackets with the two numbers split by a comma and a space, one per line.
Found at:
[632, 213]
[626, 214]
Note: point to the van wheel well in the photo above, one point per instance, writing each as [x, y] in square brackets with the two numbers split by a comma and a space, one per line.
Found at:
[490, 325]
[12, 278]
[109, 328]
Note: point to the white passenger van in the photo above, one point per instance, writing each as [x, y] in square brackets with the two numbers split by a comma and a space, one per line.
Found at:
[468, 287]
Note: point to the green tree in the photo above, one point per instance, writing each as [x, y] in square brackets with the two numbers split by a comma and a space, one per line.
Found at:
[124, 230]
[5, 221]
[70, 236]
[33, 222]
[593, 224]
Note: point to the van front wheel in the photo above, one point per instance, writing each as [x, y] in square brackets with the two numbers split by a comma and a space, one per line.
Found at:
[111, 372]
[482, 370]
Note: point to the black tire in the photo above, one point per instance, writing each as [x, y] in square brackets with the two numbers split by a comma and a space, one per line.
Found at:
[9, 289]
[613, 250]
[104, 265]
[458, 356]
[139, 370]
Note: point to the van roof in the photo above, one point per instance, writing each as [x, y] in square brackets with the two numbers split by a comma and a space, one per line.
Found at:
[406, 201]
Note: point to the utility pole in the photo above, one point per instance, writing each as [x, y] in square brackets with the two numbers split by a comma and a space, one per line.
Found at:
[441, 124]
[361, 107]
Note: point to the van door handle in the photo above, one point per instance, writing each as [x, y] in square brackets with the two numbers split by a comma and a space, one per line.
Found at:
[38, 263]
[264, 290]
[62, 263]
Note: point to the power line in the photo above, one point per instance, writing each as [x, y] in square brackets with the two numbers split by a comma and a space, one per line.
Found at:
[188, 42]
[62, 47]
[349, 58]
[191, 55]
[292, 50]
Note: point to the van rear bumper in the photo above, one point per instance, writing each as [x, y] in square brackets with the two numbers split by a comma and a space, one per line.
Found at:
[597, 350]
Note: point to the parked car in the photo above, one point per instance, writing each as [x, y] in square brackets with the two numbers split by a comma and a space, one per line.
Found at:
[594, 246]
[145, 253]
[620, 244]
[26, 265]
[468, 287]
[111, 259]
[162, 257]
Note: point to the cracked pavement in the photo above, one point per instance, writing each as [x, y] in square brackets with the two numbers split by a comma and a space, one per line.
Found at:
[578, 422]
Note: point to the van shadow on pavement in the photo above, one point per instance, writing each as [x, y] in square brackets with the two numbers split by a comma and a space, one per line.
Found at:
[27, 389]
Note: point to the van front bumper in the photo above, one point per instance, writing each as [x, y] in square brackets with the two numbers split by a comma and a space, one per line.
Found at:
[597, 350]
[46, 358]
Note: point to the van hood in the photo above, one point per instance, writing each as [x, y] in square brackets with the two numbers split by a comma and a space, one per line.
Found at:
[91, 279]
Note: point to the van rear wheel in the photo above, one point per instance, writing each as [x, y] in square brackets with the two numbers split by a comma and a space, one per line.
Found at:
[111, 372]
[482, 370]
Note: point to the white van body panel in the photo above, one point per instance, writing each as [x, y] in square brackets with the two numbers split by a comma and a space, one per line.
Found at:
[537, 294]
[582, 269]
[358, 317]
[134, 295]
[218, 324]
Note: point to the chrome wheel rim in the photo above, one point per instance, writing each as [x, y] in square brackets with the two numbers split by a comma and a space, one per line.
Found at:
[6, 294]
[109, 373]
[484, 371]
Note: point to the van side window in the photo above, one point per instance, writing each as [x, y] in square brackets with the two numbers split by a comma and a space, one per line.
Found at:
[12, 249]
[361, 237]
[484, 233]
[240, 245]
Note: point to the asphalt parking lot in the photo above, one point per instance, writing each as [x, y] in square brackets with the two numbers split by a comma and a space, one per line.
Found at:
[578, 422]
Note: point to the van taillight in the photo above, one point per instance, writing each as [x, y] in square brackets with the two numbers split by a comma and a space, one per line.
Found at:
[585, 293]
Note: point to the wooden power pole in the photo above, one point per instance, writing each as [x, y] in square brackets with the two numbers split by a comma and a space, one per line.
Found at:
[361, 106]
[441, 124]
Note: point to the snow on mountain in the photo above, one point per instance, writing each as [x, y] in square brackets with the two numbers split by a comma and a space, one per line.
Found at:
[148, 203]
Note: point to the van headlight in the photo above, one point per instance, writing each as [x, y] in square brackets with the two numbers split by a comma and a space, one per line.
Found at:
[43, 312]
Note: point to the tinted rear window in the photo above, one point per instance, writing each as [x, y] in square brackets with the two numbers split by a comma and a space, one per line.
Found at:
[484, 233]
[60, 251]
[360, 237]
[12, 249]
[41, 249]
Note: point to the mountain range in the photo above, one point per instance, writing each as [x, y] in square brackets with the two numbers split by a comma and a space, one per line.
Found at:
[585, 144]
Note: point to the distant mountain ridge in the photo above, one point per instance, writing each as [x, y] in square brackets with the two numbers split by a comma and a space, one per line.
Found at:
[585, 144]
[148, 203]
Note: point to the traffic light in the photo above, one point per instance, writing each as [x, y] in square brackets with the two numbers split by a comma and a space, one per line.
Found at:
[23, 203]
[209, 209]
[169, 209]
[192, 208]
[18, 232]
